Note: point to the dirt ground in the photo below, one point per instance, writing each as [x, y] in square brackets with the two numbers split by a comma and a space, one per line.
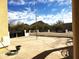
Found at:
[32, 48]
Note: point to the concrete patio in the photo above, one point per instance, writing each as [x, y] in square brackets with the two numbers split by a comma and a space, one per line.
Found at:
[32, 47]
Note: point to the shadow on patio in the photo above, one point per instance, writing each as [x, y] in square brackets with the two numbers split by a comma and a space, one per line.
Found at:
[44, 54]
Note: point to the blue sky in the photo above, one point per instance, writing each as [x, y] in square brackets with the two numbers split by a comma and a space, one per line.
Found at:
[48, 11]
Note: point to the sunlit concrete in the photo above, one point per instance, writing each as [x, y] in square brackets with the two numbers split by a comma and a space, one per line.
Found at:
[31, 47]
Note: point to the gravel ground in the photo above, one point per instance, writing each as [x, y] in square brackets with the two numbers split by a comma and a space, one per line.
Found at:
[32, 48]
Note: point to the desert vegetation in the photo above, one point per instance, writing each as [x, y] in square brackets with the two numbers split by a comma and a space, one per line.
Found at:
[59, 26]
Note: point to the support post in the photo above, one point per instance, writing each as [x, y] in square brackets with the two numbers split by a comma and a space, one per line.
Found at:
[4, 34]
[29, 32]
[75, 17]
[48, 30]
[38, 31]
[66, 31]
[25, 33]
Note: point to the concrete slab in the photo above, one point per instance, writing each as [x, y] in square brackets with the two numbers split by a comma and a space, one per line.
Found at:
[33, 48]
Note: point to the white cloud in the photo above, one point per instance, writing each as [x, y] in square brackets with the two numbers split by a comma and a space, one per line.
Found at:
[29, 17]
[17, 2]
[64, 15]
[42, 1]
[62, 2]
[25, 16]
[51, 0]
[33, 2]
[58, 1]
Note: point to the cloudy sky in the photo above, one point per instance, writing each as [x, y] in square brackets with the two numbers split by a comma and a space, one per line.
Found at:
[49, 11]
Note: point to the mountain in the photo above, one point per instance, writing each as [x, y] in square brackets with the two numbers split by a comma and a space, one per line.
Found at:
[40, 25]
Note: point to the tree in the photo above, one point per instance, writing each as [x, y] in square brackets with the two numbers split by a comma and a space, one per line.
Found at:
[19, 27]
[59, 26]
